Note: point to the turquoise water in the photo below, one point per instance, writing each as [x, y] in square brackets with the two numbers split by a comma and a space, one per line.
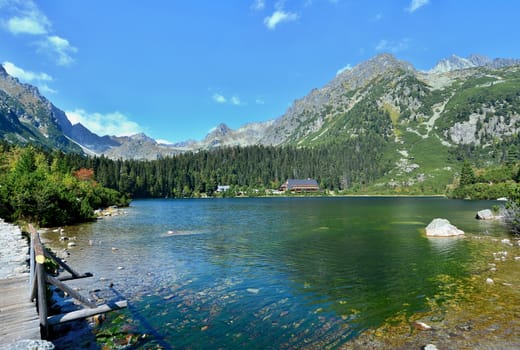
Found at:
[272, 273]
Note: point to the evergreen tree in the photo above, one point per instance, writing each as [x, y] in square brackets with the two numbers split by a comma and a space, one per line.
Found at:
[467, 175]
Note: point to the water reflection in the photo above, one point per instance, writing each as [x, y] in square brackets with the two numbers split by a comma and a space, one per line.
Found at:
[445, 245]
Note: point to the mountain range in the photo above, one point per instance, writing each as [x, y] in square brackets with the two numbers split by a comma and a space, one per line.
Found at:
[425, 119]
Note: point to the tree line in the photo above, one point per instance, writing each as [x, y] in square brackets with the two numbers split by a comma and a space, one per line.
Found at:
[336, 167]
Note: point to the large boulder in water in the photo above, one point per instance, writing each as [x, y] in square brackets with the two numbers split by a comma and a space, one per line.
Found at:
[485, 214]
[442, 228]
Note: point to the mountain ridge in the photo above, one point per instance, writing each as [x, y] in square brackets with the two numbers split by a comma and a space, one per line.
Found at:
[383, 99]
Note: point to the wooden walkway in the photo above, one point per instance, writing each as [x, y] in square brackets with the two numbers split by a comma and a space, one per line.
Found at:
[18, 316]
[19, 319]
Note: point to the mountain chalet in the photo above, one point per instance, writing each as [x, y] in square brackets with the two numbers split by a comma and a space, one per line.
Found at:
[297, 185]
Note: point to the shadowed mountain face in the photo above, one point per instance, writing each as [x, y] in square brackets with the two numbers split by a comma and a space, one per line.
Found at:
[28, 117]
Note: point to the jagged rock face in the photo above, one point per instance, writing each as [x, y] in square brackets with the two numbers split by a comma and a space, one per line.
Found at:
[480, 132]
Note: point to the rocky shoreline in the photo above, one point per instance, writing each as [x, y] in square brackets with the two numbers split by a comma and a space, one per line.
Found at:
[14, 251]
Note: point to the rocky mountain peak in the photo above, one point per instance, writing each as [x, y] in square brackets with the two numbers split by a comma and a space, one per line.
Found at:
[141, 137]
[219, 131]
[452, 63]
[364, 72]
[479, 60]
[455, 62]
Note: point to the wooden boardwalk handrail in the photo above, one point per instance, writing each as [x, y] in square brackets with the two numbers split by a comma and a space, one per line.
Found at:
[38, 280]
[38, 284]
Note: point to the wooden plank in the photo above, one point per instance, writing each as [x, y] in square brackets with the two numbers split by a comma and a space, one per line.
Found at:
[70, 278]
[83, 313]
[27, 330]
[60, 262]
[18, 316]
[71, 292]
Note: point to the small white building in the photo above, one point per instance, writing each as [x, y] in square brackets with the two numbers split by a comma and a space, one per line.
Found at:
[223, 188]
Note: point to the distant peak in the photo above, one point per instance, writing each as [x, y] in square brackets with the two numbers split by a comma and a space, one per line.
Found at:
[455, 62]
[220, 130]
[386, 61]
[141, 137]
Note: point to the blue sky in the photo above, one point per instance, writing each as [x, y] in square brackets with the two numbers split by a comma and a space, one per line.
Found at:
[175, 69]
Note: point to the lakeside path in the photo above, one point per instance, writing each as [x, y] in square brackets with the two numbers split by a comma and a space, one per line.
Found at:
[18, 317]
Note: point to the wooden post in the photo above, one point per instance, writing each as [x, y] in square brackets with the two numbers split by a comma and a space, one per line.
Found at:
[33, 283]
[39, 257]
[38, 248]
[42, 298]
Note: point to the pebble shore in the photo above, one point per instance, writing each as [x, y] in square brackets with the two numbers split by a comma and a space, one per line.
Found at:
[14, 251]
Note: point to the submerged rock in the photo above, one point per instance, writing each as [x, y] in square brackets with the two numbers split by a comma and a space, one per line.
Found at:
[485, 214]
[442, 228]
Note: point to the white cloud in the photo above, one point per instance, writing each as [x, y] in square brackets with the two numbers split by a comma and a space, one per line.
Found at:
[27, 25]
[59, 48]
[38, 79]
[279, 16]
[391, 46]
[25, 75]
[258, 5]
[259, 101]
[46, 89]
[416, 4]
[235, 100]
[341, 70]
[219, 98]
[24, 17]
[114, 123]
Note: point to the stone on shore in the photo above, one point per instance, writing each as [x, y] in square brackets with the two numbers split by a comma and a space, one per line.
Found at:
[421, 326]
[29, 344]
[442, 228]
[430, 347]
[485, 214]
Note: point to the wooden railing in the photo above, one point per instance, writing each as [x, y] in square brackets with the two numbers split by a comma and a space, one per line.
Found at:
[38, 284]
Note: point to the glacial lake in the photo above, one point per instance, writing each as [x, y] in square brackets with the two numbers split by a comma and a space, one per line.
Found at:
[271, 273]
